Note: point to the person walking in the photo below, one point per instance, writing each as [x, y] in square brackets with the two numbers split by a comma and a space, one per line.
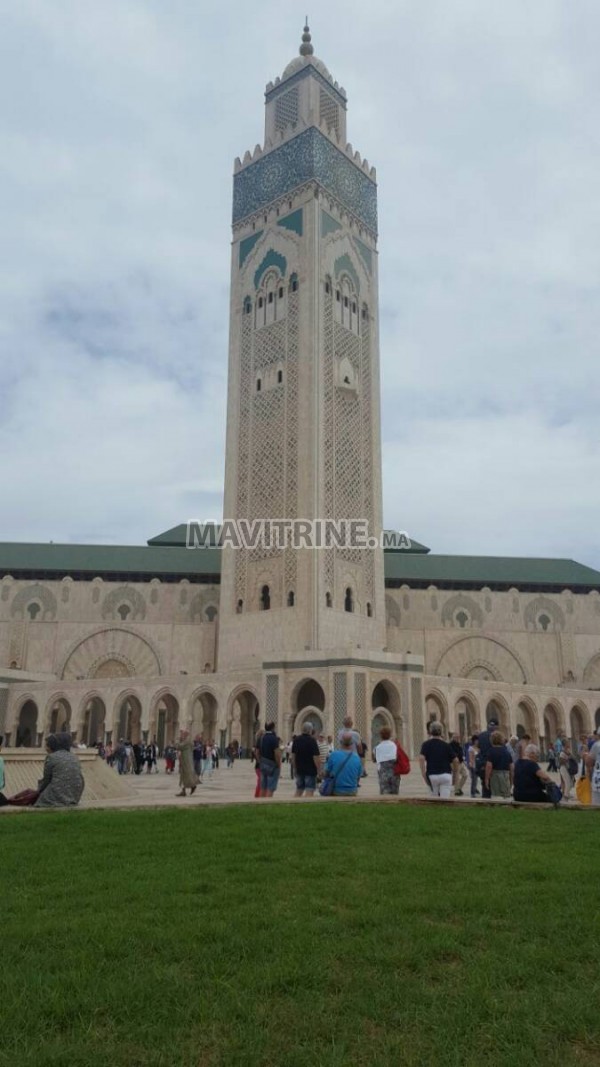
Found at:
[461, 774]
[567, 765]
[120, 755]
[269, 758]
[170, 757]
[485, 743]
[472, 754]
[438, 762]
[592, 762]
[499, 767]
[198, 754]
[385, 755]
[188, 779]
[207, 761]
[348, 728]
[307, 761]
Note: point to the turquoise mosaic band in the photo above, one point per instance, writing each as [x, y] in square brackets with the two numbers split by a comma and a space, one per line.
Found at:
[309, 156]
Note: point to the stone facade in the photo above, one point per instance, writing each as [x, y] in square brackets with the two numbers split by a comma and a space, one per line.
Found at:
[289, 634]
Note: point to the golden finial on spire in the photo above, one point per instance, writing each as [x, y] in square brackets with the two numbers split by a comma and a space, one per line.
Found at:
[306, 48]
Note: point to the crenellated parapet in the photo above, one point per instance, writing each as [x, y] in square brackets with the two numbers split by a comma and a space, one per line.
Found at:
[308, 156]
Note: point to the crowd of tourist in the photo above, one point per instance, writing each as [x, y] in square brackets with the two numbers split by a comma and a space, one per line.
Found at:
[494, 765]
[508, 767]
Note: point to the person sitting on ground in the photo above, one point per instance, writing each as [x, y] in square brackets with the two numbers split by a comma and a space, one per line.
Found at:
[529, 778]
[62, 783]
[385, 755]
[438, 762]
[499, 767]
[345, 766]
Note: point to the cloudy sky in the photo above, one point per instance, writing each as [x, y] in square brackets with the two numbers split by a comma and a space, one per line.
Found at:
[119, 123]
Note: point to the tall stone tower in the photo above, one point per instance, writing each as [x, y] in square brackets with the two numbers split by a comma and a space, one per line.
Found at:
[303, 421]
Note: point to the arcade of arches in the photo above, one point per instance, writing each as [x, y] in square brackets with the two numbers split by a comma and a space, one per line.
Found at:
[137, 716]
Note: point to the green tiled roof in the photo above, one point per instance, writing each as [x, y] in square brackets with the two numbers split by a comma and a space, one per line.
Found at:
[125, 561]
[170, 563]
[494, 571]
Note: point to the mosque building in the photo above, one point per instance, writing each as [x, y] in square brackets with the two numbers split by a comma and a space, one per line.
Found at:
[122, 641]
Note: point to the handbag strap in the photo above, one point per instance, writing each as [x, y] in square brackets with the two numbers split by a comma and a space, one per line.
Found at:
[341, 766]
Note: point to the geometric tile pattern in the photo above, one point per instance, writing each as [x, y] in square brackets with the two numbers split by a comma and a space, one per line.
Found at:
[309, 156]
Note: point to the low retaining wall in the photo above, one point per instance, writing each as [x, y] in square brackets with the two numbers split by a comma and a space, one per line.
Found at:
[23, 768]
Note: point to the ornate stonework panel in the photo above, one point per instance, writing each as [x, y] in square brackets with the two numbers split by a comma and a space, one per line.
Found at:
[393, 615]
[540, 608]
[340, 699]
[481, 654]
[310, 155]
[461, 604]
[360, 704]
[34, 594]
[272, 701]
[124, 596]
[591, 674]
[111, 650]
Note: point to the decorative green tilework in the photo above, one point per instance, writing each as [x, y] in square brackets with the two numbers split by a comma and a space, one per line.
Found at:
[366, 254]
[345, 264]
[328, 224]
[310, 156]
[294, 222]
[272, 259]
[247, 245]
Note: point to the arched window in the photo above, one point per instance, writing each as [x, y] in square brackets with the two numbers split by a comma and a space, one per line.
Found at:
[239, 607]
[211, 613]
[124, 611]
[279, 376]
[258, 385]
[247, 306]
[369, 611]
[294, 283]
[33, 611]
[290, 598]
[346, 307]
[271, 302]
[349, 600]
[462, 619]
[265, 598]
[328, 600]
[544, 622]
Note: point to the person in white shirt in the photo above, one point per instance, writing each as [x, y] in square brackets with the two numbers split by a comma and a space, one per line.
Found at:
[386, 755]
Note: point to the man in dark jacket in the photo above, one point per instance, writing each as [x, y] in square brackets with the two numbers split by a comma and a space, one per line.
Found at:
[461, 774]
[485, 744]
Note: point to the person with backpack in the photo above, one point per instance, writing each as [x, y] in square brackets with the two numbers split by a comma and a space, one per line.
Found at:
[385, 755]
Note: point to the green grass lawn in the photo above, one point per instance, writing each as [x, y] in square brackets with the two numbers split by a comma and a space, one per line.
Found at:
[281, 936]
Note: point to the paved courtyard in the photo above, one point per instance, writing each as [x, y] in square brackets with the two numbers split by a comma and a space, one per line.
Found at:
[235, 785]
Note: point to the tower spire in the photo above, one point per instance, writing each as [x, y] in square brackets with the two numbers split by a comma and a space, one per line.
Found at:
[306, 48]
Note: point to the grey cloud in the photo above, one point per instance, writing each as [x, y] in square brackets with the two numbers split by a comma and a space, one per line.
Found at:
[120, 123]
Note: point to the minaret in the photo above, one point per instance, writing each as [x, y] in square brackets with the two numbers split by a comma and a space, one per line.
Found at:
[303, 421]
